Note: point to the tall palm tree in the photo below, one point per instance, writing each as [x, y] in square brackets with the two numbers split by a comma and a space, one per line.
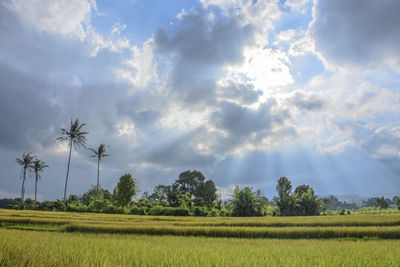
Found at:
[25, 162]
[38, 166]
[76, 137]
[99, 154]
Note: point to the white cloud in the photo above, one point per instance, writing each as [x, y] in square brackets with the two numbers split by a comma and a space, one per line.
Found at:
[357, 34]
[263, 68]
[140, 69]
[61, 17]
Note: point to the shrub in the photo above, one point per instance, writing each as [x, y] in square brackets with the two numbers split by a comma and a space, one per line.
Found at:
[77, 207]
[138, 210]
[168, 211]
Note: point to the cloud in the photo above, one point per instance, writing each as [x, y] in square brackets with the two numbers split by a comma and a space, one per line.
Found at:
[199, 47]
[357, 33]
[61, 17]
[306, 101]
[26, 112]
[238, 92]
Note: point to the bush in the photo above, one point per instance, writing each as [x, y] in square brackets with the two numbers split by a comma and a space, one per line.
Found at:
[168, 211]
[101, 205]
[51, 205]
[77, 207]
[200, 211]
[138, 210]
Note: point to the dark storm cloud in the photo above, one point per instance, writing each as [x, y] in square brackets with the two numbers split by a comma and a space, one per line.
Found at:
[358, 31]
[199, 48]
[306, 102]
[26, 114]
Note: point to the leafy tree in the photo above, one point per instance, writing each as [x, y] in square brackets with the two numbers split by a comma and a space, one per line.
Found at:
[206, 193]
[26, 163]
[160, 194]
[185, 200]
[193, 182]
[38, 166]
[75, 137]
[188, 181]
[244, 201]
[285, 201]
[93, 194]
[382, 203]
[125, 190]
[99, 154]
[260, 203]
[306, 201]
[398, 202]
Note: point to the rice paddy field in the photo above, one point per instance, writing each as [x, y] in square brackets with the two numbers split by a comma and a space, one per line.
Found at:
[35, 238]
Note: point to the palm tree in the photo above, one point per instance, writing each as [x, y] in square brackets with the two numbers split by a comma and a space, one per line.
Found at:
[25, 162]
[38, 166]
[76, 137]
[99, 154]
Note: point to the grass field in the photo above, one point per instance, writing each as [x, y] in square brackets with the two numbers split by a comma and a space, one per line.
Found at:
[33, 238]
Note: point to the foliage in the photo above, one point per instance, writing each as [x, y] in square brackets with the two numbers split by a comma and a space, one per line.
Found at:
[284, 201]
[243, 199]
[307, 202]
[26, 163]
[381, 202]
[168, 211]
[76, 137]
[51, 205]
[91, 195]
[99, 154]
[125, 190]
[38, 166]
[302, 202]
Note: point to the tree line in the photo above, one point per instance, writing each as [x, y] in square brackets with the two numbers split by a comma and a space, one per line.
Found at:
[190, 194]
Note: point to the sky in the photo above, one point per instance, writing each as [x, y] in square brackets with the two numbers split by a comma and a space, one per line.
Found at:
[243, 91]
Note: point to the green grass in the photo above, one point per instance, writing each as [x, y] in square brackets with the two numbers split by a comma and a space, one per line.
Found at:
[22, 248]
[385, 226]
[37, 238]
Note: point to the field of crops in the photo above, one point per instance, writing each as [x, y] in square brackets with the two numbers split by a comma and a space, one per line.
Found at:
[36, 238]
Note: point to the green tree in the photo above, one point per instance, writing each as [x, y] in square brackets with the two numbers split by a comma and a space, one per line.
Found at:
[125, 190]
[93, 194]
[99, 154]
[398, 202]
[306, 202]
[260, 203]
[244, 201]
[38, 166]
[26, 163]
[75, 136]
[188, 181]
[206, 193]
[160, 194]
[284, 201]
[382, 203]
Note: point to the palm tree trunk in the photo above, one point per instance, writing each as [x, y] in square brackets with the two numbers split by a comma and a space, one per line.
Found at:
[36, 187]
[98, 176]
[23, 187]
[66, 179]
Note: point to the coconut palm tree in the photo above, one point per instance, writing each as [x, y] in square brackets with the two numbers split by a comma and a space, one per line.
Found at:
[76, 137]
[26, 163]
[38, 166]
[99, 154]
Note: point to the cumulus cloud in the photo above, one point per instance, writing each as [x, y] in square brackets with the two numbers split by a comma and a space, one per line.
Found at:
[306, 101]
[357, 33]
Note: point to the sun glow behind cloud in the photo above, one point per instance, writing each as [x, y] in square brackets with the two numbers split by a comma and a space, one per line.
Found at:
[216, 84]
